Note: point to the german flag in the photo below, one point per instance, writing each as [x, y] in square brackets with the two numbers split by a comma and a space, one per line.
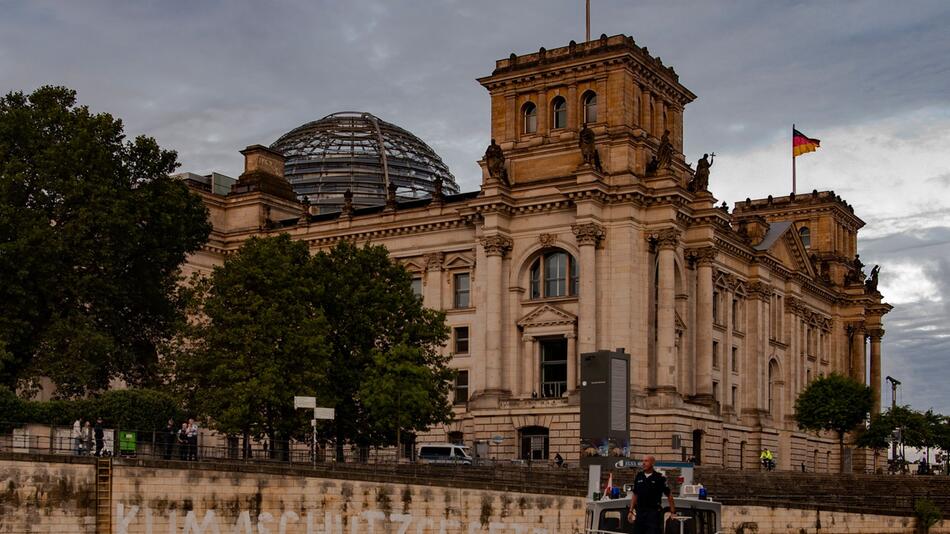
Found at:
[802, 144]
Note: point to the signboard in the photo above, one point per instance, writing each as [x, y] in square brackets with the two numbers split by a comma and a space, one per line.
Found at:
[305, 402]
[498, 439]
[323, 413]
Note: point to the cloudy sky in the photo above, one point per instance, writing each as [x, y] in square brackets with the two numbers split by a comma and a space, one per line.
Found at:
[871, 79]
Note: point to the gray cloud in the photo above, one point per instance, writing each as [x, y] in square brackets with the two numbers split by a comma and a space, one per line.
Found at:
[208, 78]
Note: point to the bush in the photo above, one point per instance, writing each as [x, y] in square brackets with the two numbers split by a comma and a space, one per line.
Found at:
[928, 514]
[132, 409]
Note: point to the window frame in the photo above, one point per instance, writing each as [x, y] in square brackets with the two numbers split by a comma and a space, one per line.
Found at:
[456, 292]
[529, 118]
[457, 386]
[558, 113]
[804, 233]
[412, 283]
[559, 387]
[586, 105]
[456, 340]
[539, 278]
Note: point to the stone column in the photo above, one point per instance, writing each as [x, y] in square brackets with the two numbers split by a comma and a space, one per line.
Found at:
[858, 352]
[513, 126]
[666, 241]
[574, 112]
[705, 257]
[876, 334]
[588, 236]
[528, 365]
[658, 123]
[645, 116]
[544, 121]
[495, 248]
[573, 362]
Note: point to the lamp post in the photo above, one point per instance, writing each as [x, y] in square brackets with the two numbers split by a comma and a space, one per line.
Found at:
[894, 383]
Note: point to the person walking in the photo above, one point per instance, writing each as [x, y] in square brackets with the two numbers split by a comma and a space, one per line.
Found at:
[87, 437]
[767, 459]
[168, 439]
[646, 509]
[183, 442]
[76, 437]
[99, 433]
[192, 439]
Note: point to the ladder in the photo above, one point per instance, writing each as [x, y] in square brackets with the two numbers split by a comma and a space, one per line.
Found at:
[103, 495]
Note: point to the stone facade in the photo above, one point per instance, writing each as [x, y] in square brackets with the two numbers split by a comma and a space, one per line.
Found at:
[726, 314]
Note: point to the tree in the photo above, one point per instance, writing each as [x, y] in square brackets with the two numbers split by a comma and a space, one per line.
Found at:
[92, 233]
[378, 326]
[915, 429]
[257, 341]
[833, 403]
[402, 393]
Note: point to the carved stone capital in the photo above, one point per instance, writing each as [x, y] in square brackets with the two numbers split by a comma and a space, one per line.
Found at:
[434, 260]
[794, 306]
[759, 290]
[588, 233]
[876, 334]
[547, 240]
[665, 238]
[703, 256]
[855, 328]
[496, 245]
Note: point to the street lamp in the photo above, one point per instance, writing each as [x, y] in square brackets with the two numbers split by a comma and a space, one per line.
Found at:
[894, 383]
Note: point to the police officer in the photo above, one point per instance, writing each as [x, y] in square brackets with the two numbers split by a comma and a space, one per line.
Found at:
[649, 487]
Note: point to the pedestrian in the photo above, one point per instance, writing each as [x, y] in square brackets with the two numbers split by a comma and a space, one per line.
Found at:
[558, 459]
[767, 459]
[646, 509]
[183, 442]
[192, 439]
[76, 436]
[87, 437]
[168, 439]
[98, 431]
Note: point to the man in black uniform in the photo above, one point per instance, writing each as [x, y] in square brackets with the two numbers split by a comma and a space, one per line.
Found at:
[649, 487]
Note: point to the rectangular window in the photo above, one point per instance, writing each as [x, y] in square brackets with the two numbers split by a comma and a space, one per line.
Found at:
[462, 290]
[735, 360]
[735, 314]
[461, 339]
[716, 391]
[461, 387]
[553, 367]
[715, 310]
[417, 286]
[735, 398]
[715, 354]
[555, 275]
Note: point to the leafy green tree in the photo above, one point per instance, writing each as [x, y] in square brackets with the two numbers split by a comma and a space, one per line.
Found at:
[92, 234]
[833, 403]
[915, 429]
[378, 326]
[403, 393]
[258, 341]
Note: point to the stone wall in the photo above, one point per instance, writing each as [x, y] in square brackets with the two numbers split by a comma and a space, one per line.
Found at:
[47, 497]
[766, 520]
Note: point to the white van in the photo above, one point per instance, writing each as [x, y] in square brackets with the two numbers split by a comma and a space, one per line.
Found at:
[444, 453]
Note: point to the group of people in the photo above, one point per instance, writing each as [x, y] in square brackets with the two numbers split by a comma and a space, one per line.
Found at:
[84, 433]
[185, 436]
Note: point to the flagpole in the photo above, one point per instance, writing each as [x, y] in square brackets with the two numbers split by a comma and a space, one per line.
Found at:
[793, 159]
[587, 34]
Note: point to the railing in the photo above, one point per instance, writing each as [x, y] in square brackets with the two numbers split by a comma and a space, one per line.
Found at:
[381, 464]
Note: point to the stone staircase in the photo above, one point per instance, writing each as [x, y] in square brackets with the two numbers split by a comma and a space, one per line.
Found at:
[871, 494]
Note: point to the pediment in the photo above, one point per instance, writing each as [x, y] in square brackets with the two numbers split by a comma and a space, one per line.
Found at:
[547, 315]
[458, 261]
[788, 249]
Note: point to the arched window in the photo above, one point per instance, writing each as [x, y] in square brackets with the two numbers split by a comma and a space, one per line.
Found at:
[553, 274]
[590, 107]
[805, 234]
[773, 377]
[559, 110]
[530, 114]
[534, 443]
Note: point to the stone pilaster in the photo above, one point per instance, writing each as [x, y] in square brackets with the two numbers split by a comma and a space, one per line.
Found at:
[666, 241]
[705, 257]
[876, 334]
[496, 246]
[588, 235]
[858, 345]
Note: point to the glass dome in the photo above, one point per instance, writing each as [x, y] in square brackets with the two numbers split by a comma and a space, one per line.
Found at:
[359, 152]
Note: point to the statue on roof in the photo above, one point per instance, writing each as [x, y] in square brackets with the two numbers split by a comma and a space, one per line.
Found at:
[870, 285]
[700, 181]
[495, 161]
[664, 153]
[588, 149]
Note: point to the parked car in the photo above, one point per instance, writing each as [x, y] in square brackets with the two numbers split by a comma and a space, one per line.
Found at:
[444, 453]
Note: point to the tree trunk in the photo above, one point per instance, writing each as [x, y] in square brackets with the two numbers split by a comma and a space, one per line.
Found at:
[841, 452]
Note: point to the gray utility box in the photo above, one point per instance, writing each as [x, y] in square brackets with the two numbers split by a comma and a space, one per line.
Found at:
[605, 407]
